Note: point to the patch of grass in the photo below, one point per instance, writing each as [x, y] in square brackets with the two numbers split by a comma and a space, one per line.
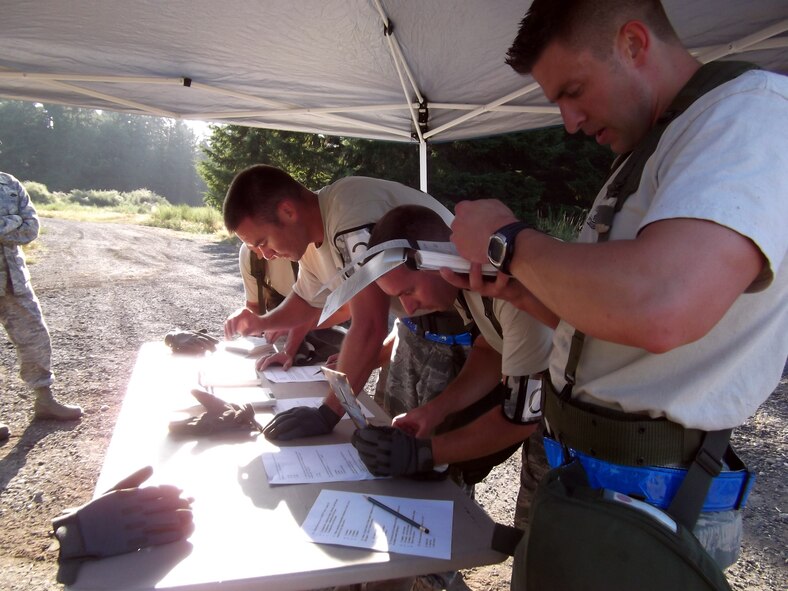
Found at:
[202, 220]
[563, 224]
[142, 206]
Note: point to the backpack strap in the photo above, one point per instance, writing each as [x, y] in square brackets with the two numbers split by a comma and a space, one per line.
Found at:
[267, 297]
[686, 505]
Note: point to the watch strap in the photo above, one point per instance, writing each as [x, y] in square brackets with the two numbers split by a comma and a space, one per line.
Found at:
[510, 232]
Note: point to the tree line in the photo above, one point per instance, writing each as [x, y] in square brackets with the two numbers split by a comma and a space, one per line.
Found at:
[68, 148]
[541, 174]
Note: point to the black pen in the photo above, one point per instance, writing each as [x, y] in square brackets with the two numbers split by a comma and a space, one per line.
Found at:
[397, 514]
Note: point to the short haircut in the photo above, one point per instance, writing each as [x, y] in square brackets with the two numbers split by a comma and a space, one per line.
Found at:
[582, 24]
[256, 193]
[410, 222]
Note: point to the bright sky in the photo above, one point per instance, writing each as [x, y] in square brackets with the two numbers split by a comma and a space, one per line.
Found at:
[200, 128]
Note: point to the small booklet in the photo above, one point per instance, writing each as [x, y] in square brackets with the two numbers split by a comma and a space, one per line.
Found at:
[434, 255]
[341, 387]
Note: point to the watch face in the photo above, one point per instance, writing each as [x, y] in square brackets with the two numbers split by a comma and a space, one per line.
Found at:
[496, 249]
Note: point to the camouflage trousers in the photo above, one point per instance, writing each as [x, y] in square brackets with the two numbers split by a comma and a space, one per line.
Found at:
[21, 316]
[534, 467]
[419, 371]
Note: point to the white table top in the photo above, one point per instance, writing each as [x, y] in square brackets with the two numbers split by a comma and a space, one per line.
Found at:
[247, 533]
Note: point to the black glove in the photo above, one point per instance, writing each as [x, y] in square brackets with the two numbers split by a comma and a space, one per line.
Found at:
[301, 421]
[388, 451]
[121, 520]
[190, 342]
[218, 416]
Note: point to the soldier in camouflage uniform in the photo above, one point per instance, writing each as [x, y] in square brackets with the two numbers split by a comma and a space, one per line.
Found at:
[20, 311]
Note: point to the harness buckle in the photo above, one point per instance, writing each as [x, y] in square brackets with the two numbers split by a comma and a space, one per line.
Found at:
[708, 462]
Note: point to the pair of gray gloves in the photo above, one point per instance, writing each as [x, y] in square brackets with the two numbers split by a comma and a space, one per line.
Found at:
[386, 451]
[124, 519]
[190, 342]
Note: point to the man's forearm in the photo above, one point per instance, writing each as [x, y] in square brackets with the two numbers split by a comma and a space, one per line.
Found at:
[486, 435]
[295, 337]
[361, 347]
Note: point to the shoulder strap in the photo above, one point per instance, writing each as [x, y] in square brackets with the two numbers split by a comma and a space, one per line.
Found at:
[488, 312]
[267, 296]
[626, 182]
[257, 268]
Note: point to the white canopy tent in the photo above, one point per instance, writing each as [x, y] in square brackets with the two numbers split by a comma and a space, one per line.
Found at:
[399, 70]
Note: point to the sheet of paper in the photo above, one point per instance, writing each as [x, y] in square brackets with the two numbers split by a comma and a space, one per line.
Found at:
[302, 373]
[315, 463]
[227, 369]
[257, 396]
[349, 519]
[249, 345]
[283, 404]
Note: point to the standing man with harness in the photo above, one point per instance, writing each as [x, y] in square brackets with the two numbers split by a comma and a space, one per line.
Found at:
[674, 299]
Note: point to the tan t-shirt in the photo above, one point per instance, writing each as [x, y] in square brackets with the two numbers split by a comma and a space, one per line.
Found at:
[350, 207]
[525, 344]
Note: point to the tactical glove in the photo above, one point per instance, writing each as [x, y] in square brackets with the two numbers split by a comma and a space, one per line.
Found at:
[388, 451]
[121, 520]
[301, 421]
[218, 416]
[190, 342]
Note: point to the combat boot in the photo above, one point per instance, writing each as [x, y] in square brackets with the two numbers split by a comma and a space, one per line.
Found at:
[46, 407]
[4, 433]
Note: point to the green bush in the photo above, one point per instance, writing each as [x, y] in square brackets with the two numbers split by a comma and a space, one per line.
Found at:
[39, 193]
[94, 197]
[143, 198]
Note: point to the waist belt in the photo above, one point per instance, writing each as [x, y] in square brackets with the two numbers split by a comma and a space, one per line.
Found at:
[464, 338]
[656, 485]
[618, 437]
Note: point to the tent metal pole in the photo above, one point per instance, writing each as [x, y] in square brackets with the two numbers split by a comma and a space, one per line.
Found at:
[146, 109]
[483, 109]
[742, 44]
[423, 166]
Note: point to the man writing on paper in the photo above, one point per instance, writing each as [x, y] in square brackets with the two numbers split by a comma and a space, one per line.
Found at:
[678, 280]
[277, 217]
[266, 284]
[511, 346]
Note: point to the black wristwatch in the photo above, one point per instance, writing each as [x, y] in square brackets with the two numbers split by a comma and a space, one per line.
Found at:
[500, 248]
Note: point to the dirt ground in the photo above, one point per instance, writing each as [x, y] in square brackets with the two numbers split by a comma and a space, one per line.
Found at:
[107, 288]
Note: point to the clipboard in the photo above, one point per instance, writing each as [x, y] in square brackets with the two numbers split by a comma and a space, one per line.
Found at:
[341, 387]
